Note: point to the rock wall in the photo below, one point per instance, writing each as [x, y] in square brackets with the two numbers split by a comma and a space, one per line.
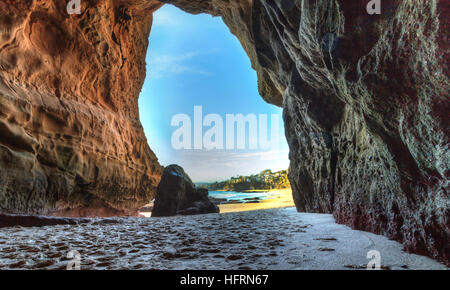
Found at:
[365, 101]
[366, 107]
[71, 142]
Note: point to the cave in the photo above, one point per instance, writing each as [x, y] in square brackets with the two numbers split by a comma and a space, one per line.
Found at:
[364, 98]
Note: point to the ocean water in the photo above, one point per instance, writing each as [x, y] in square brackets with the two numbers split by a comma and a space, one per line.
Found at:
[234, 196]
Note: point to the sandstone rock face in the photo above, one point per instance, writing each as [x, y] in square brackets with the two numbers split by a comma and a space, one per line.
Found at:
[71, 142]
[365, 101]
[178, 195]
[366, 107]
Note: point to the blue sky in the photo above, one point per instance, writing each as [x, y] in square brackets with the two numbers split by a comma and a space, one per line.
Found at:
[193, 60]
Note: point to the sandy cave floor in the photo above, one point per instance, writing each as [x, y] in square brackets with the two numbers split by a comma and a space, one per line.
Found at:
[262, 239]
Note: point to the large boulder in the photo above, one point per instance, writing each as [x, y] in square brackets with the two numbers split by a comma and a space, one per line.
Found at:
[365, 101]
[178, 195]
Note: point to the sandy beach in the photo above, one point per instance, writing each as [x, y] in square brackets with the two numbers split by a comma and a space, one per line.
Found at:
[257, 240]
[281, 198]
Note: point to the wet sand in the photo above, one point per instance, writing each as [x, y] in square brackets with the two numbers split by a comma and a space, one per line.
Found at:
[262, 239]
[281, 198]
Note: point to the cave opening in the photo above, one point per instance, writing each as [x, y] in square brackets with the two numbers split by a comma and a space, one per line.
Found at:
[199, 90]
[368, 140]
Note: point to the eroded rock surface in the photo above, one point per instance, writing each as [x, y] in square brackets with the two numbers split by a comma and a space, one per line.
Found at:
[71, 142]
[366, 105]
[178, 195]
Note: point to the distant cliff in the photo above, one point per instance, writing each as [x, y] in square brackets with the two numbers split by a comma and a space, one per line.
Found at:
[365, 107]
[264, 180]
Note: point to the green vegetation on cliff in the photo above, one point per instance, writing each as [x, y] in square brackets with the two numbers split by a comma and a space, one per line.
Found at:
[265, 180]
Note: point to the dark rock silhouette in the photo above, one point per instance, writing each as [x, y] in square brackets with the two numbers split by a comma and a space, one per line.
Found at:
[178, 195]
[11, 220]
